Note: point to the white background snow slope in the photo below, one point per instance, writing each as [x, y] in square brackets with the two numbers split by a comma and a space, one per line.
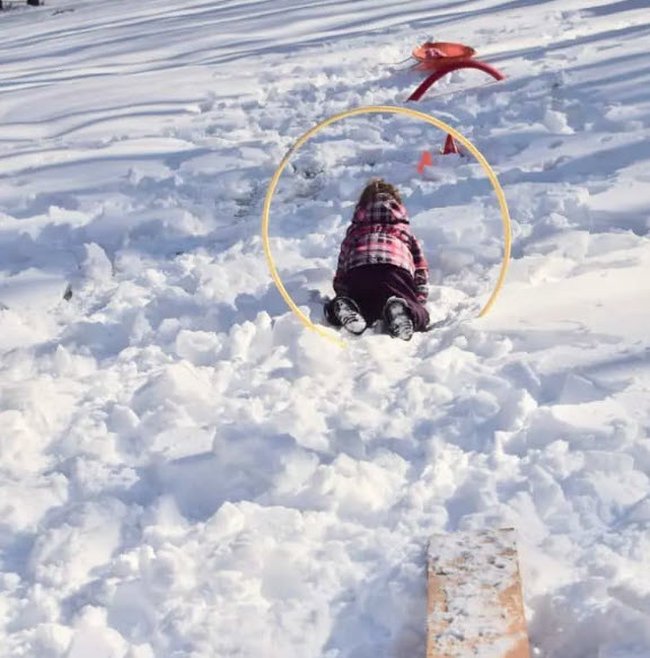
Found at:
[185, 470]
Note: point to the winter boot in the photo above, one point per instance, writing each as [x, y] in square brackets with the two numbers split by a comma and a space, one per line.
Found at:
[347, 314]
[397, 317]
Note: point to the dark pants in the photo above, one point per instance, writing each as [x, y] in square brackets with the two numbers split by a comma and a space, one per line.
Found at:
[370, 286]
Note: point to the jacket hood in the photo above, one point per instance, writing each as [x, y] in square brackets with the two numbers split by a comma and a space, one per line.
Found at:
[383, 209]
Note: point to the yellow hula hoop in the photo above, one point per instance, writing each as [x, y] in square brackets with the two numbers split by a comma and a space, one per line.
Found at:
[377, 109]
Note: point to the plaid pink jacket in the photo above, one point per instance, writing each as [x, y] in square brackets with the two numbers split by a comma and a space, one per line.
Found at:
[381, 233]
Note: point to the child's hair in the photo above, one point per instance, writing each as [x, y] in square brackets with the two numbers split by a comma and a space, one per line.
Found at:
[376, 187]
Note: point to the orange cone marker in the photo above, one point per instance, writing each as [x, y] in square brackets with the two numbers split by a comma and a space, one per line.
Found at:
[425, 161]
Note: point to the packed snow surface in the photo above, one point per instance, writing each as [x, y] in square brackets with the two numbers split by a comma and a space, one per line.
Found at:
[187, 470]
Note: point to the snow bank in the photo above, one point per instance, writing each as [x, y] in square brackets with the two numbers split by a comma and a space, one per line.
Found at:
[185, 470]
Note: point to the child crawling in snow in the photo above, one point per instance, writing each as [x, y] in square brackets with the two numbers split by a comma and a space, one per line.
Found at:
[382, 272]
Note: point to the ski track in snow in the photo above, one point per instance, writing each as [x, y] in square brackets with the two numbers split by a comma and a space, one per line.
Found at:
[185, 470]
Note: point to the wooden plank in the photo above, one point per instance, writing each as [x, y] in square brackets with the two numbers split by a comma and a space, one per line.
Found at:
[475, 605]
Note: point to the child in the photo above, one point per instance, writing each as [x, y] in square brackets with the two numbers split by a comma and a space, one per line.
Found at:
[382, 272]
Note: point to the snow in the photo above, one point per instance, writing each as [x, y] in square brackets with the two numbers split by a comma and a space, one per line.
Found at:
[187, 470]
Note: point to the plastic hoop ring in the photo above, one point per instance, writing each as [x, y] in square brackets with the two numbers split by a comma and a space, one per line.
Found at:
[379, 109]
